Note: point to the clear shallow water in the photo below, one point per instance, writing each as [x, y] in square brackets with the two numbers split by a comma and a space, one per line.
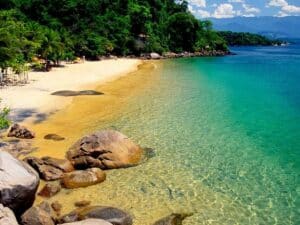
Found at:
[232, 126]
[227, 137]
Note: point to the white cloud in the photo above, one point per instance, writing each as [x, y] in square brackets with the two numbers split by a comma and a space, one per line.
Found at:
[286, 8]
[250, 9]
[202, 13]
[291, 9]
[248, 15]
[236, 1]
[279, 3]
[198, 3]
[282, 14]
[224, 11]
[191, 9]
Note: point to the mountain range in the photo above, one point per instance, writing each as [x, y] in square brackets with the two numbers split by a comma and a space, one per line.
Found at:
[273, 27]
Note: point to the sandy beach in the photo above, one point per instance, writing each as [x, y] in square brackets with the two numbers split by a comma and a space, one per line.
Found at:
[35, 99]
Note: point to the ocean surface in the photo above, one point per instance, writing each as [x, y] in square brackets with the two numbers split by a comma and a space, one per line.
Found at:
[226, 135]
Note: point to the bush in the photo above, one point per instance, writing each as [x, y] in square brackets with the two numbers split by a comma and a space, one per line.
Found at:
[4, 121]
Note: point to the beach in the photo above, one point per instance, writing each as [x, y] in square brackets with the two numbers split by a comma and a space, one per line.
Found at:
[35, 99]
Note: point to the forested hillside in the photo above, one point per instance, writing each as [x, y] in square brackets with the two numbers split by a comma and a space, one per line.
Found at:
[244, 39]
[60, 29]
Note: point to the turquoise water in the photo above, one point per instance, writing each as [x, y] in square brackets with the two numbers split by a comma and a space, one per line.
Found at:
[226, 132]
[231, 124]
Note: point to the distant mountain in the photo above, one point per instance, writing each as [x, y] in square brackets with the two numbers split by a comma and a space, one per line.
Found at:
[273, 27]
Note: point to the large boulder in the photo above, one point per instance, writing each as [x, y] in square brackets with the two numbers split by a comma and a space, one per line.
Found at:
[83, 178]
[7, 217]
[50, 168]
[105, 149]
[18, 183]
[38, 215]
[89, 222]
[19, 131]
[155, 55]
[113, 215]
[173, 219]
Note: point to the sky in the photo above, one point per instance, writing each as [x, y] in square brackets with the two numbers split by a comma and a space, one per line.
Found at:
[246, 8]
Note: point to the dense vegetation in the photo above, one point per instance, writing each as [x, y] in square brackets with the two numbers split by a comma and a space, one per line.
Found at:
[62, 29]
[242, 38]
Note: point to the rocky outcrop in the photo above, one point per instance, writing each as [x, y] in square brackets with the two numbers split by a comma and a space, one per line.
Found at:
[49, 190]
[20, 132]
[83, 178]
[38, 215]
[7, 217]
[106, 149]
[18, 183]
[173, 219]
[110, 214]
[50, 168]
[89, 222]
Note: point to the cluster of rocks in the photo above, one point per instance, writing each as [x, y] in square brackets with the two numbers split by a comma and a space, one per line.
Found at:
[20, 132]
[84, 165]
[171, 55]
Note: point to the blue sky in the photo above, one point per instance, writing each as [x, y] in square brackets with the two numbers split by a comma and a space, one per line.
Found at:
[248, 8]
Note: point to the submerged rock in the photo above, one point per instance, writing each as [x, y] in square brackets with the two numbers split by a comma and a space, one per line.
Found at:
[53, 137]
[89, 222]
[18, 183]
[56, 206]
[110, 214]
[19, 131]
[68, 93]
[83, 178]
[49, 190]
[173, 219]
[7, 217]
[50, 168]
[105, 149]
[38, 215]
[82, 203]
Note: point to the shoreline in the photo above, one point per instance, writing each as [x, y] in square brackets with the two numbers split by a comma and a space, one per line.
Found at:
[34, 101]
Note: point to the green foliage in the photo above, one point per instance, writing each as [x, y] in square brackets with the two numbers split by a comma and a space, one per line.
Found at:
[4, 121]
[240, 38]
[62, 29]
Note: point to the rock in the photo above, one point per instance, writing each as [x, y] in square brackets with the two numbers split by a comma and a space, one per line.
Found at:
[17, 147]
[173, 219]
[89, 222]
[83, 203]
[37, 215]
[18, 183]
[50, 168]
[105, 149]
[67, 93]
[49, 190]
[154, 55]
[83, 178]
[54, 137]
[56, 206]
[20, 132]
[110, 214]
[7, 217]
[69, 218]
